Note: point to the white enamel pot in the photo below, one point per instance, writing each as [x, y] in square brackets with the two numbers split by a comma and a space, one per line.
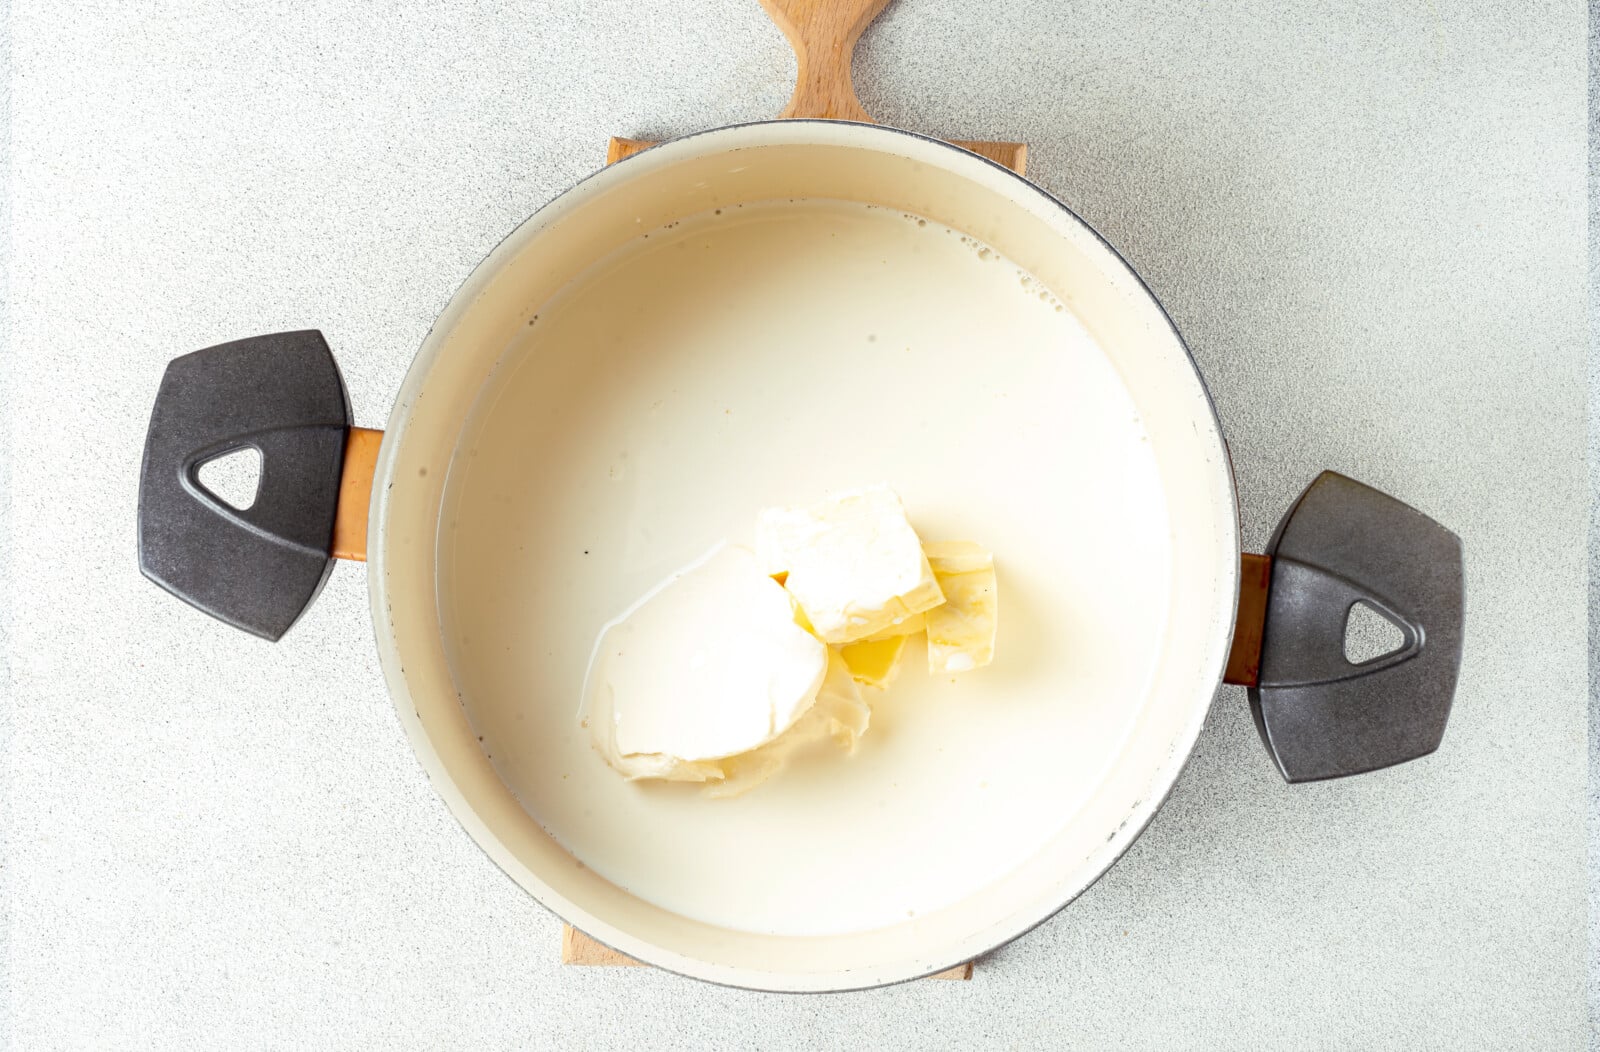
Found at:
[978, 811]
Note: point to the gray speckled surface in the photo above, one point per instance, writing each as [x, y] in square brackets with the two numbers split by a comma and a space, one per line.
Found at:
[1366, 217]
[1594, 527]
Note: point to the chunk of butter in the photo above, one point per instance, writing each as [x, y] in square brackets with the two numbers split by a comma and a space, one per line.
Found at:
[852, 561]
[909, 626]
[961, 632]
[839, 716]
[712, 664]
[874, 662]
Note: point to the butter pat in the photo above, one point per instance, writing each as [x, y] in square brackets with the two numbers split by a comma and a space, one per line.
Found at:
[746, 659]
[874, 662]
[961, 632]
[909, 626]
[853, 562]
[838, 717]
[711, 665]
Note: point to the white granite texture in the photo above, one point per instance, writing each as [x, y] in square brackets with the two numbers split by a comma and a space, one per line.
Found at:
[1594, 527]
[1366, 217]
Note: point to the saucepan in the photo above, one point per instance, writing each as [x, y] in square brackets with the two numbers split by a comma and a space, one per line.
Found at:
[758, 315]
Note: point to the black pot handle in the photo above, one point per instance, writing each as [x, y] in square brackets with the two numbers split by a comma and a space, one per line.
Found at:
[258, 568]
[1320, 715]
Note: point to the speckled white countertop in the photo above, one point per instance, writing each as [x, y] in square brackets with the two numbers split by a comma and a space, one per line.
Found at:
[1367, 219]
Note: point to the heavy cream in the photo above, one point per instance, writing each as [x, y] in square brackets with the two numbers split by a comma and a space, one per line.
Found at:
[756, 358]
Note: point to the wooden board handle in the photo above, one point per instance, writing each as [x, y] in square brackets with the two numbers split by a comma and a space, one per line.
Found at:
[823, 34]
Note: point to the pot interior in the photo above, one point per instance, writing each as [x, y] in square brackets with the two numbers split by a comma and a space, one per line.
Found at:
[757, 316]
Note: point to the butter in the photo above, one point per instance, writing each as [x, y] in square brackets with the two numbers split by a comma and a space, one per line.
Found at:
[745, 659]
[852, 561]
[961, 632]
[713, 664]
[874, 662]
[838, 717]
[908, 626]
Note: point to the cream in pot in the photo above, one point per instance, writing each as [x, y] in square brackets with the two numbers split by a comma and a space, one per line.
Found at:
[966, 340]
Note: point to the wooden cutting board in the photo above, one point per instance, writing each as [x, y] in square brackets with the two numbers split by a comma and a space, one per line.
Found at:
[824, 35]
[577, 948]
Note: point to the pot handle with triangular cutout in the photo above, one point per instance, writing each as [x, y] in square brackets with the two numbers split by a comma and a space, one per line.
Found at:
[1320, 713]
[256, 567]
